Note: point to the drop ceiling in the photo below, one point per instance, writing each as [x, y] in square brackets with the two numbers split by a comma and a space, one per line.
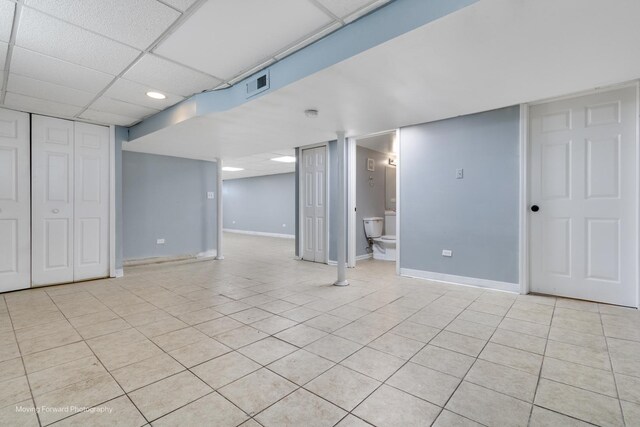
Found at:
[95, 60]
[258, 164]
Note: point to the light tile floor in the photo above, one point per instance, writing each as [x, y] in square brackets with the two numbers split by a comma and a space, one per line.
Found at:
[262, 339]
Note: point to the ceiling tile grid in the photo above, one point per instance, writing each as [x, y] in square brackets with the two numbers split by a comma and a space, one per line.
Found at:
[6, 19]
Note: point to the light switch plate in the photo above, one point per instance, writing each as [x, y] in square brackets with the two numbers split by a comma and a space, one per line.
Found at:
[459, 173]
[160, 242]
[447, 252]
[210, 195]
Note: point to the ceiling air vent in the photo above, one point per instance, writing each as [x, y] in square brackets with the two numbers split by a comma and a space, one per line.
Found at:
[258, 84]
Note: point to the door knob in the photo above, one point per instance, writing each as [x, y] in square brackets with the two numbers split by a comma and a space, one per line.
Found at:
[55, 211]
[535, 208]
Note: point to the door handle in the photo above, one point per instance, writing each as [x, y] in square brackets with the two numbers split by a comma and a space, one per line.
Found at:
[55, 211]
[535, 208]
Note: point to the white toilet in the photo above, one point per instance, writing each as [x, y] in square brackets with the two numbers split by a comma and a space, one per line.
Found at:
[384, 246]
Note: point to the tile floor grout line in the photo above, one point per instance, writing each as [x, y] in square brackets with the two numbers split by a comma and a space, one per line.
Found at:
[613, 373]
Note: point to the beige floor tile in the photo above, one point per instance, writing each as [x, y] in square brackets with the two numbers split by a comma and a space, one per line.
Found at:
[483, 307]
[129, 309]
[188, 307]
[63, 375]
[41, 343]
[117, 356]
[580, 376]
[576, 354]
[443, 360]
[470, 329]
[301, 335]
[416, 331]
[327, 322]
[428, 384]
[482, 318]
[541, 417]
[277, 306]
[93, 330]
[530, 316]
[232, 307]
[199, 352]
[273, 325]
[116, 412]
[397, 345]
[435, 319]
[162, 397]
[343, 387]
[212, 410]
[161, 327]
[352, 421]
[8, 346]
[140, 374]
[625, 356]
[628, 387]
[459, 343]
[373, 363]
[360, 332]
[12, 368]
[301, 366]
[267, 350]
[144, 318]
[13, 391]
[241, 336]
[488, 407]
[300, 314]
[596, 342]
[588, 327]
[218, 326]
[90, 319]
[621, 327]
[503, 379]
[225, 369]
[258, 390]
[200, 316]
[520, 341]
[449, 419]
[301, 408]
[575, 304]
[528, 328]
[180, 338]
[333, 348]
[514, 358]
[250, 315]
[631, 413]
[25, 416]
[349, 312]
[84, 394]
[582, 404]
[389, 407]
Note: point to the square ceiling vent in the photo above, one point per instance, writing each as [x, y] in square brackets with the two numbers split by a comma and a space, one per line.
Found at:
[258, 83]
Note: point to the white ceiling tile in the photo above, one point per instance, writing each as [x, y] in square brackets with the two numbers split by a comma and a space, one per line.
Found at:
[212, 42]
[52, 37]
[35, 105]
[49, 91]
[342, 8]
[114, 106]
[137, 23]
[46, 68]
[365, 10]
[107, 118]
[169, 76]
[136, 93]
[6, 19]
[3, 54]
[180, 4]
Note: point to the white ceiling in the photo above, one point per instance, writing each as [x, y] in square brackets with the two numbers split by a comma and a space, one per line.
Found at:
[259, 164]
[491, 54]
[95, 59]
[383, 142]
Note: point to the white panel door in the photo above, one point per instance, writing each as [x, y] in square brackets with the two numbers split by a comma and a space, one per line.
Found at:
[584, 182]
[91, 210]
[15, 201]
[52, 200]
[314, 195]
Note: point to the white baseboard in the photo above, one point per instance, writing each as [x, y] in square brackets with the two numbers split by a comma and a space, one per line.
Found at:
[211, 253]
[363, 257]
[259, 233]
[461, 280]
[119, 272]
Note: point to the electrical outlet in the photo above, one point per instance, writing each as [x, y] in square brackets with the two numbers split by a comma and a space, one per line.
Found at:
[459, 173]
[160, 242]
[447, 253]
[210, 195]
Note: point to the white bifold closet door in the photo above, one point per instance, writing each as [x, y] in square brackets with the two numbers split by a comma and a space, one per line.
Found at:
[314, 178]
[70, 200]
[15, 202]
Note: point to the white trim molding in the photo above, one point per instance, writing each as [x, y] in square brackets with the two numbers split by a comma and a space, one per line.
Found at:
[461, 280]
[211, 253]
[119, 272]
[260, 233]
[524, 200]
[112, 202]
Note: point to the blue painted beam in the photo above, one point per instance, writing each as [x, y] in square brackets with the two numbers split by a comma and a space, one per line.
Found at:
[394, 19]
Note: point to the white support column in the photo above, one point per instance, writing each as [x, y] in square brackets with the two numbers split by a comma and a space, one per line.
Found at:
[219, 209]
[342, 211]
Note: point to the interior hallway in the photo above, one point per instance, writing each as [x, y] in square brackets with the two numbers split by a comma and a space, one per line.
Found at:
[262, 339]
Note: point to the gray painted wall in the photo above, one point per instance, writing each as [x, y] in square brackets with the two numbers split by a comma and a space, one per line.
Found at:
[121, 135]
[165, 197]
[476, 217]
[262, 203]
[370, 200]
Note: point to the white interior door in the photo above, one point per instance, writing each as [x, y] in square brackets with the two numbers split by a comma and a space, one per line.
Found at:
[15, 202]
[91, 202]
[584, 181]
[314, 176]
[52, 200]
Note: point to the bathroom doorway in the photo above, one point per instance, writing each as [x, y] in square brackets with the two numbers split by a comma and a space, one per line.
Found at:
[372, 199]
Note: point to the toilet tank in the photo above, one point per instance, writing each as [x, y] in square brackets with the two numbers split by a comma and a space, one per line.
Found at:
[390, 223]
[373, 227]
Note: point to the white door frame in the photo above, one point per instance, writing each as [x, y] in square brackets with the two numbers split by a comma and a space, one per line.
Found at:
[112, 201]
[300, 204]
[524, 232]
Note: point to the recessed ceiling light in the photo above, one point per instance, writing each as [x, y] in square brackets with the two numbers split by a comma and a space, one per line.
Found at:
[312, 114]
[156, 95]
[285, 159]
[231, 169]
